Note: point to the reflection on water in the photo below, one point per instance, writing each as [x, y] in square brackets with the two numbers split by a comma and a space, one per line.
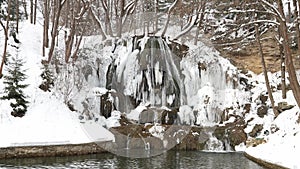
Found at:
[168, 160]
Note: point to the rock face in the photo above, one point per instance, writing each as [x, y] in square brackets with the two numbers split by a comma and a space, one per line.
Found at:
[130, 136]
[262, 111]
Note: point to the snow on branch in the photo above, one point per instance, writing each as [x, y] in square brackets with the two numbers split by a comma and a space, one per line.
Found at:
[192, 23]
[260, 21]
[272, 7]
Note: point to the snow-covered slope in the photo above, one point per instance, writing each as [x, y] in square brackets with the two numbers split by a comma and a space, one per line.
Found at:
[282, 147]
[282, 134]
[48, 120]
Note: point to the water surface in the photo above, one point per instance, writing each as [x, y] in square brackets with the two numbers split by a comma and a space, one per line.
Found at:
[168, 160]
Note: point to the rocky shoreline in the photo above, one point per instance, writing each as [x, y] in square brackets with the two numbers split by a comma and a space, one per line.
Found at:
[264, 163]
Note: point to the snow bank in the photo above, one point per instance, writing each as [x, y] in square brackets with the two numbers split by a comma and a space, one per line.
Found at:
[282, 147]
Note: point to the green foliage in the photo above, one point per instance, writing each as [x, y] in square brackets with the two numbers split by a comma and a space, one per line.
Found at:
[47, 77]
[14, 88]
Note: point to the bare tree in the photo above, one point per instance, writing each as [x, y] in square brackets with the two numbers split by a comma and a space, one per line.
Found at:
[282, 65]
[170, 10]
[55, 23]
[265, 71]
[31, 11]
[297, 30]
[98, 23]
[25, 8]
[199, 25]
[17, 16]
[288, 60]
[71, 37]
[46, 15]
[35, 9]
[5, 28]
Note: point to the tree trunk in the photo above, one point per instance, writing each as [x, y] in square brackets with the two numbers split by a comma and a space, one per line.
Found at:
[120, 19]
[31, 11]
[97, 21]
[54, 31]
[5, 28]
[168, 17]
[18, 17]
[296, 13]
[46, 26]
[289, 12]
[288, 56]
[282, 65]
[202, 14]
[265, 72]
[108, 14]
[35, 8]
[25, 8]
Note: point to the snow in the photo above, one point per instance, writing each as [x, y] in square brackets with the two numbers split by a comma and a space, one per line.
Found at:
[282, 147]
[157, 131]
[48, 120]
[135, 113]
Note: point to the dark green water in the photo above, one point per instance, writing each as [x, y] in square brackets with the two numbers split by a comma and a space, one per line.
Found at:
[168, 160]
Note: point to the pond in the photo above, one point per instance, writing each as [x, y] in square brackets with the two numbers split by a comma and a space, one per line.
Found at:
[167, 160]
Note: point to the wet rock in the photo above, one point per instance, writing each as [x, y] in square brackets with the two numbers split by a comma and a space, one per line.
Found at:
[256, 130]
[262, 111]
[194, 140]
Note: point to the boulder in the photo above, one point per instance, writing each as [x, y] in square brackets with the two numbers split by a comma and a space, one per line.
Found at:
[262, 111]
[237, 136]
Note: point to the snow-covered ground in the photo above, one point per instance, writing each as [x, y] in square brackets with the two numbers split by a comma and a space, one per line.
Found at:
[282, 147]
[282, 137]
[48, 120]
